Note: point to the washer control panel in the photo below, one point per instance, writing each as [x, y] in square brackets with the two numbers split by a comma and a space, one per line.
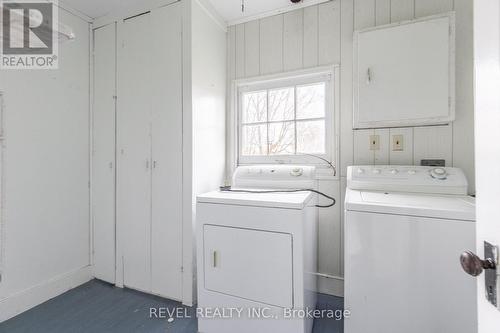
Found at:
[421, 179]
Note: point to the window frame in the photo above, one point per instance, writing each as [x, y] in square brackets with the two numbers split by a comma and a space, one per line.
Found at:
[327, 74]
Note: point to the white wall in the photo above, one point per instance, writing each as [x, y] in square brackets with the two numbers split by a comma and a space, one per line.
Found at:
[204, 120]
[322, 35]
[46, 173]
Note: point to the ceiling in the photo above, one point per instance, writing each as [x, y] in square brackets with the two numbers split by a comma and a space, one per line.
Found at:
[98, 8]
[228, 10]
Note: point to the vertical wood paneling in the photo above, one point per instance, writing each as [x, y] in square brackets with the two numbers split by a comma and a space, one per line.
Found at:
[271, 44]
[433, 142]
[231, 75]
[252, 48]
[329, 231]
[402, 10]
[240, 51]
[463, 127]
[404, 157]
[329, 32]
[346, 133]
[310, 36]
[309, 39]
[343, 187]
[362, 153]
[293, 39]
[382, 154]
[431, 7]
[364, 14]
[382, 12]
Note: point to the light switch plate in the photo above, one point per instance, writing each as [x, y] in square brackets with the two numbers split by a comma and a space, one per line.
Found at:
[374, 142]
[397, 142]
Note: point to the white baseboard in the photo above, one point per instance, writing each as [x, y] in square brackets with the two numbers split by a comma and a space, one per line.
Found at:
[26, 299]
[331, 285]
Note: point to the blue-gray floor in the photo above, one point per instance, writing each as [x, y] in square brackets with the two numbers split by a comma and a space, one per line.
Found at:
[98, 307]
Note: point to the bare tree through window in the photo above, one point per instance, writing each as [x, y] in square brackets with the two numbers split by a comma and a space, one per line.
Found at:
[284, 121]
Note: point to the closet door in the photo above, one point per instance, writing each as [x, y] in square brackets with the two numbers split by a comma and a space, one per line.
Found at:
[103, 153]
[166, 96]
[134, 151]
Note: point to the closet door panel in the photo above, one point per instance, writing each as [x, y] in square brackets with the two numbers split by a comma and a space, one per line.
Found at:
[134, 151]
[103, 153]
[166, 96]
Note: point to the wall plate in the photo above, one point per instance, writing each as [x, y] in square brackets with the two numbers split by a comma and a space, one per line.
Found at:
[490, 275]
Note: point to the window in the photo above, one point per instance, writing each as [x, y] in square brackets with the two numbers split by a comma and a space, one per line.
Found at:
[286, 118]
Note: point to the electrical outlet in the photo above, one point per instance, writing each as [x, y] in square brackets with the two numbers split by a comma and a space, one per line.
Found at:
[374, 142]
[397, 143]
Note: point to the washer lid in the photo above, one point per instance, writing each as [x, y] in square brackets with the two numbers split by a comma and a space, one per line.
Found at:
[425, 205]
[297, 200]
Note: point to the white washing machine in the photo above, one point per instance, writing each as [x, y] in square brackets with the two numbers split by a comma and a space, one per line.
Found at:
[405, 228]
[257, 253]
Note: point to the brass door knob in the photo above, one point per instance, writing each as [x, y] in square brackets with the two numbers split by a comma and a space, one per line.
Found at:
[473, 265]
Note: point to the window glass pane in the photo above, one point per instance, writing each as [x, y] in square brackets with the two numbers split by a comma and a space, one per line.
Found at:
[254, 107]
[311, 101]
[282, 138]
[254, 140]
[281, 104]
[311, 137]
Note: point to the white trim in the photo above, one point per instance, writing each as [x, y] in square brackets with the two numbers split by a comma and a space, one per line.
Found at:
[28, 298]
[188, 241]
[332, 131]
[212, 13]
[330, 285]
[64, 6]
[289, 8]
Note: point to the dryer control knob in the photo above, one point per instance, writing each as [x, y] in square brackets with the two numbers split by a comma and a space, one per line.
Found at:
[412, 172]
[439, 173]
[297, 172]
[394, 171]
[376, 171]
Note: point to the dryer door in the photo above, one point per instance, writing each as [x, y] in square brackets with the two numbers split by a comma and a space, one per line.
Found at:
[250, 264]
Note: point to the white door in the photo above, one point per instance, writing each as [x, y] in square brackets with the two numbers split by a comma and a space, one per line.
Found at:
[250, 264]
[103, 153]
[487, 128]
[166, 93]
[134, 151]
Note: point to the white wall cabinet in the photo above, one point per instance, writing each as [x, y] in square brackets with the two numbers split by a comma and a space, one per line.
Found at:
[169, 111]
[404, 73]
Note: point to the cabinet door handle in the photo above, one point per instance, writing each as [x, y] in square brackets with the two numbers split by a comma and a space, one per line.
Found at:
[368, 76]
[154, 164]
[147, 164]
